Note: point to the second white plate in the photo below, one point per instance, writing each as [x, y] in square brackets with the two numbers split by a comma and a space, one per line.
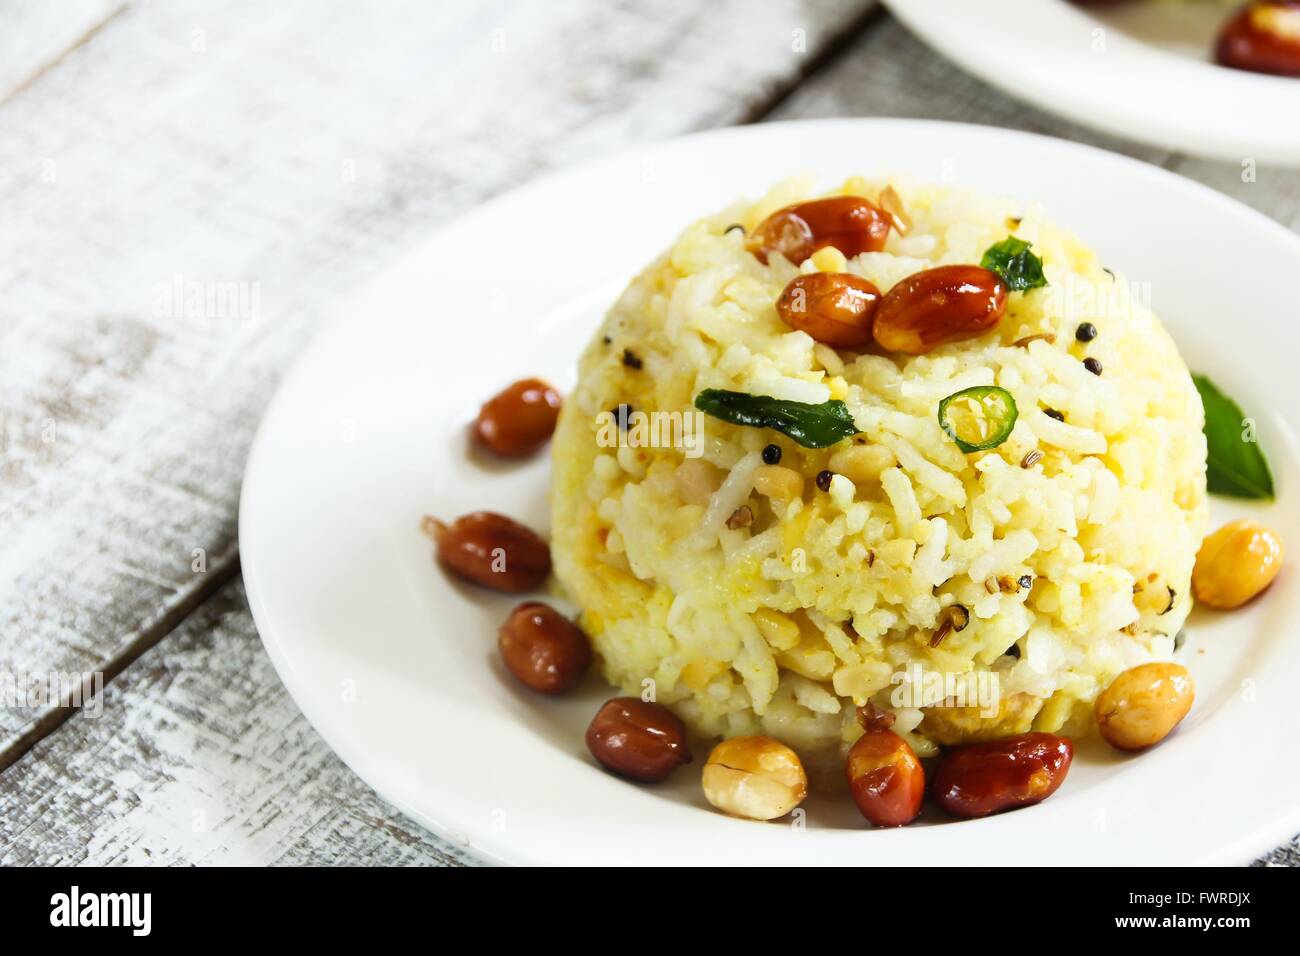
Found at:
[1091, 67]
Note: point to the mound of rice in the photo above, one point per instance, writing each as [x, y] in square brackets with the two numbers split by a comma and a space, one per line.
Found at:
[1071, 569]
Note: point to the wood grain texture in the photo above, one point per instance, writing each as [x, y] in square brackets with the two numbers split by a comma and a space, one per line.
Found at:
[200, 758]
[192, 187]
[37, 36]
[195, 185]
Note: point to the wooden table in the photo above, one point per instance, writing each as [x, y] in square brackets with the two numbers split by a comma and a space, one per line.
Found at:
[187, 188]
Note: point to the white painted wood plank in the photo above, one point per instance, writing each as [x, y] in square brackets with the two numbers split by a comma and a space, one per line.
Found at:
[38, 34]
[191, 191]
[200, 758]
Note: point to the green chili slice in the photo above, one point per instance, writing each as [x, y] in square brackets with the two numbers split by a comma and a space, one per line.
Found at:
[978, 418]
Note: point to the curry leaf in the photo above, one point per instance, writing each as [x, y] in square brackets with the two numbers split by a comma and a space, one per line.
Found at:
[1019, 268]
[813, 426]
[1235, 465]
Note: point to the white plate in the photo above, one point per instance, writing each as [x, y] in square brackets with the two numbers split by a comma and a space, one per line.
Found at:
[396, 665]
[1142, 70]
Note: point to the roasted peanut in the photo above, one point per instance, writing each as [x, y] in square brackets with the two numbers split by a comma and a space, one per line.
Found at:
[885, 778]
[935, 306]
[519, 420]
[1003, 774]
[835, 308]
[849, 223]
[1236, 563]
[638, 739]
[543, 648]
[1263, 38]
[1143, 705]
[754, 777]
[492, 550]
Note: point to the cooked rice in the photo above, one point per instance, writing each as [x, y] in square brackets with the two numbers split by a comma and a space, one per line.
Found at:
[783, 625]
